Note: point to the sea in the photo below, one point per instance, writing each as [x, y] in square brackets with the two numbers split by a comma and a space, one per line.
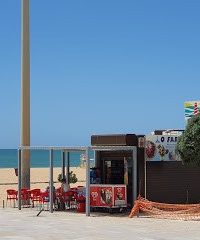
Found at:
[40, 158]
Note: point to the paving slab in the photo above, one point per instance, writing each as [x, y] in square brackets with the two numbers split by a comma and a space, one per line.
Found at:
[25, 225]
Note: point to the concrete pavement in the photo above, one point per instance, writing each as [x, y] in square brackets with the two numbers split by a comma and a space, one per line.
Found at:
[25, 225]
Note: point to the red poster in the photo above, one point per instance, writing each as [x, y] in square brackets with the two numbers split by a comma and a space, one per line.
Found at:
[106, 196]
[101, 196]
[94, 196]
[119, 195]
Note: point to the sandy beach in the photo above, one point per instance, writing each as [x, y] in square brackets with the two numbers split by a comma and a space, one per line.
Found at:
[39, 179]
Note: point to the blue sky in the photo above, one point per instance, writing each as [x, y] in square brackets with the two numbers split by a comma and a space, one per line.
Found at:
[99, 67]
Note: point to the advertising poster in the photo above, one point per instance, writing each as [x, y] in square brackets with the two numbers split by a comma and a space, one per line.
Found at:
[120, 195]
[101, 196]
[94, 196]
[161, 148]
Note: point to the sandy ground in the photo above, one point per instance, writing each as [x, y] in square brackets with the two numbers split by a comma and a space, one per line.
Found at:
[39, 179]
[25, 225]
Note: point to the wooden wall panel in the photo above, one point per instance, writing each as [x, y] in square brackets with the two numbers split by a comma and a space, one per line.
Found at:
[173, 182]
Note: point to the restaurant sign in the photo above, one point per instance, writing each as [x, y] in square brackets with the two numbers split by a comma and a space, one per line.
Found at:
[161, 148]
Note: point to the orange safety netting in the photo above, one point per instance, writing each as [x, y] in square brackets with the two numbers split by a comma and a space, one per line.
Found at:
[165, 210]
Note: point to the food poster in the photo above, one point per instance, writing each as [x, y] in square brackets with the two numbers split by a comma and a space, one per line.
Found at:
[120, 195]
[101, 196]
[161, 148]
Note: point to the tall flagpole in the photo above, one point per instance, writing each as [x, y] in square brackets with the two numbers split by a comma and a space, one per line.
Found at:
[25, 94]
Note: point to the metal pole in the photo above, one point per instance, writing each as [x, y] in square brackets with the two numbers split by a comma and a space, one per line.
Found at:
[51, 193]
[19, 180]
[67, 169]
[134, 174]
[25, 93]
[95, 158]
[145, 176]
[63, 164]
[87, 182]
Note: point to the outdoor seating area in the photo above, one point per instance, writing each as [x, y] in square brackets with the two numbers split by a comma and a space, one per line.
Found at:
[38, 198]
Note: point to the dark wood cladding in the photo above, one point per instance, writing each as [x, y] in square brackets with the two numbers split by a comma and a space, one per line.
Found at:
[114, 154]
[114, 140]
[173, 182]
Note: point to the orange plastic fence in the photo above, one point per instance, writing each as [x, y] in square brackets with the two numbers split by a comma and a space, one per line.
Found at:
[165, 210]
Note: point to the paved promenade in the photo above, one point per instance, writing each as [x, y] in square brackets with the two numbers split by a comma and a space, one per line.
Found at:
[25, 225]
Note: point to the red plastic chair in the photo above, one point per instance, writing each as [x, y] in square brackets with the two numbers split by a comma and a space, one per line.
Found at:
[58, 190]
[81, 204]
[45, 199]
[35, 196]
[59, 199]
[25, 196]
[59, 194]
[70, 199]
[74, 189]
[11, 196]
